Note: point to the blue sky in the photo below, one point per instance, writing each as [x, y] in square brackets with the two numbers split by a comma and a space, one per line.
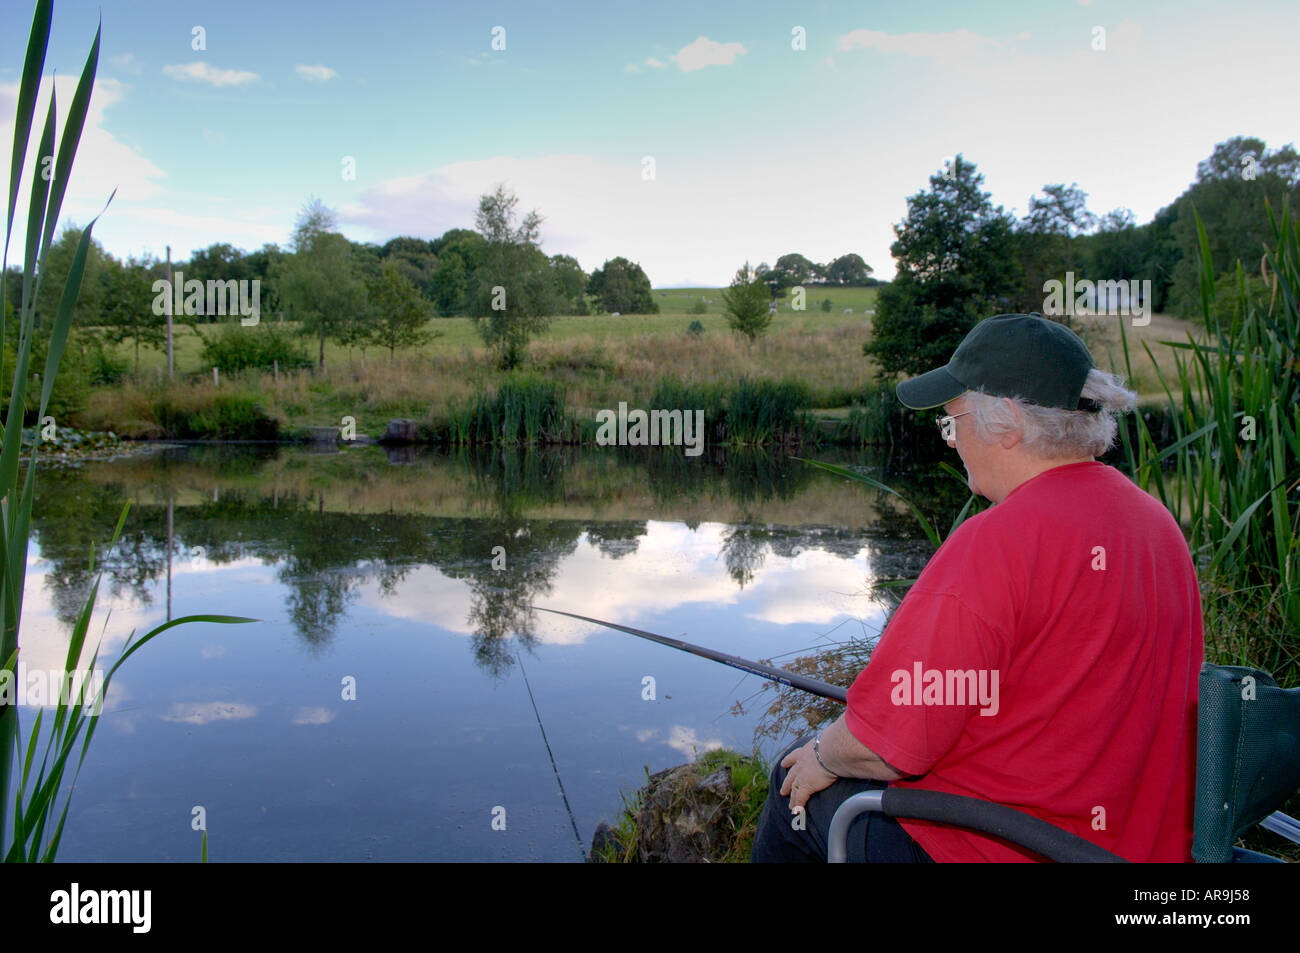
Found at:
[758, 149]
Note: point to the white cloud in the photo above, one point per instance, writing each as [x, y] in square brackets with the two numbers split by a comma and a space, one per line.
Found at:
[705, 52]
[686, 741]
[596, 208]
[200, 72]
[631, 68]
[778, 594]
[203, 713]
[313, 716]
[656, 64]
[317, 74]
[103, 161]
[127, 63]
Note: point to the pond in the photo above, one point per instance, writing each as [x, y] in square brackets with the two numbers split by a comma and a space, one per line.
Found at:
[398, 700]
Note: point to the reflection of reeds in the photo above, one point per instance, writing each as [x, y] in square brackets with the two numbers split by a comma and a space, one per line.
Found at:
[554, 483]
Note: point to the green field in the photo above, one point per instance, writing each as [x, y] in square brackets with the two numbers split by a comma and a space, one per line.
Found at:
[457, 334]
[599, 360]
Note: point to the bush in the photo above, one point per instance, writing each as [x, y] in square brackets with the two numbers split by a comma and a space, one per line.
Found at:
[236, 348]
[826, 304]
[101, 366]
[209, 415]
[698, 307]
[695, 328]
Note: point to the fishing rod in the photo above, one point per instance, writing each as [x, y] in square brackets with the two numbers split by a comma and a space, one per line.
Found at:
[565, 797]
[771, 672]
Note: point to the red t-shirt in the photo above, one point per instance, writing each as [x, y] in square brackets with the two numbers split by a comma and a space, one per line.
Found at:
[1073, 610]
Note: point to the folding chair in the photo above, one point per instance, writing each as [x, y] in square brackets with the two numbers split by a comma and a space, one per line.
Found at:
[1247, 765]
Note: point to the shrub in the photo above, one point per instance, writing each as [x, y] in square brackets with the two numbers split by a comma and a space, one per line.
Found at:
[211, 415]
[236, 348]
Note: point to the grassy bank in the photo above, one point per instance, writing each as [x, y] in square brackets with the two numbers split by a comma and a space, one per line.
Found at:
[820, 384]
[638, 830]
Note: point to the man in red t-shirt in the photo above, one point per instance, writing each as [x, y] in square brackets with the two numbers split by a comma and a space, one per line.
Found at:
[1047, 657]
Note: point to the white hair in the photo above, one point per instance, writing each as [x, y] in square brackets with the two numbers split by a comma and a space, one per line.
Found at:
[1051, 432]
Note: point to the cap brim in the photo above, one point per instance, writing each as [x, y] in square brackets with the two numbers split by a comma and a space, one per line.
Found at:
[932, 389]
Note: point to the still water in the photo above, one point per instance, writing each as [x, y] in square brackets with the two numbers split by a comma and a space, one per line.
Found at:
[397, 699]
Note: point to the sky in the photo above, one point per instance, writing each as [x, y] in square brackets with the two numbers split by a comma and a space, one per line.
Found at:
[688, 137]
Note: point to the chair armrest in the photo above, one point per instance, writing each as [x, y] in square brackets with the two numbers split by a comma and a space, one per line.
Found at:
[998, 820]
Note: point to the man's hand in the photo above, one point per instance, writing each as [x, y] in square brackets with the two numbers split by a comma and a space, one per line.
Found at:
[805, 778]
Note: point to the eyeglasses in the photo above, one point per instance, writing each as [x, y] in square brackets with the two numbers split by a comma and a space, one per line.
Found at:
[948, 425]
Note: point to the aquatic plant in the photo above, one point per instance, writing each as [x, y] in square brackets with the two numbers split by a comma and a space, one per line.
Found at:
[34, 804]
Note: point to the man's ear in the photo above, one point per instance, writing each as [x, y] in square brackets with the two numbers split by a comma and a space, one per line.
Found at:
[1013, 437]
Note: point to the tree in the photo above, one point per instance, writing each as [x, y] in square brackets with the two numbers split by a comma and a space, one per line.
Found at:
[1230, 193]
[848, 270]
[1062, 211]
[460, 252]
[955, 265]
[416, 260]
[570, 283]
[514, 291]
[398, 311]
[747, 303]
[796, 267]
[57, 264]
[319, 283]
[128, 306]
[1049, 242]
[622, 286]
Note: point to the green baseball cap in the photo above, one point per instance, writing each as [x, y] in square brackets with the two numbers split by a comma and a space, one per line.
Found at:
[1009, 355]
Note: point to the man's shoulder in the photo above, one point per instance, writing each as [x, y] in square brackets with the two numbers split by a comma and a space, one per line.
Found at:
[1077, 499]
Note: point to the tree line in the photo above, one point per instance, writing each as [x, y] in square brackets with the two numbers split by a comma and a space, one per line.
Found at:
[333, 289]
[959, 258]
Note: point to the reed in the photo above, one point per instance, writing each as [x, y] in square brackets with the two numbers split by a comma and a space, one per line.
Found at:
[525, 409]
[34, 803]
[1231, 474]
[765, 411]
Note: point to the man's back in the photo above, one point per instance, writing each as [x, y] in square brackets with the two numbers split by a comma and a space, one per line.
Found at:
[1047, 660]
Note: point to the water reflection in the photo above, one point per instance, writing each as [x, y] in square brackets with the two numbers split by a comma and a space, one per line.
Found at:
[414, 578]
[499, 522]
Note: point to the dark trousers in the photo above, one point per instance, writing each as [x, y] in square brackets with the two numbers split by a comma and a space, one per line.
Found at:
[873, 837]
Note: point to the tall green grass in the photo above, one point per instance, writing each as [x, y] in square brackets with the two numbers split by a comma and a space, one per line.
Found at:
[762, 412]
[34, 803]
[525, 409]
[1231, 474]
[743, 413]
